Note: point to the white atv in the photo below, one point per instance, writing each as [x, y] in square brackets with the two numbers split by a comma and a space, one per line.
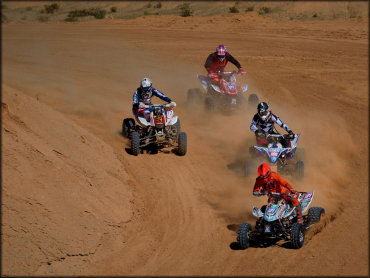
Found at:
[163, 130]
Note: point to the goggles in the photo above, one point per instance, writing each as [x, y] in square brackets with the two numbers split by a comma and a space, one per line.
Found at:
[263, 113]
[265, 176]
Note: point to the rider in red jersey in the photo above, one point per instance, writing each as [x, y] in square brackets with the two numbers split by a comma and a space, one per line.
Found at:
[268, 181]
[217, 61]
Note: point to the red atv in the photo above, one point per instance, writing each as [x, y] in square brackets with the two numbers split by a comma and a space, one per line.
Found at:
[222, 92]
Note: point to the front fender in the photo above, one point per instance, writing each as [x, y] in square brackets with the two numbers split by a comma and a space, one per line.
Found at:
[257, 212]
[143, 122]
[217, 89]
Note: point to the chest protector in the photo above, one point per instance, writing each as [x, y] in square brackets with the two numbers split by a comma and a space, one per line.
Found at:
[217, 65]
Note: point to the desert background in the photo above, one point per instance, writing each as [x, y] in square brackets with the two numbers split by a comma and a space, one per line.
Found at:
[75, 202]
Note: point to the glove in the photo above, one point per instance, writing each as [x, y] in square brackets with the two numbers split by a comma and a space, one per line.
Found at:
[259, 133]
[142, 105]
[294, 194]
[172, 104]
[241, 71]
[259, 194]
[291, 135]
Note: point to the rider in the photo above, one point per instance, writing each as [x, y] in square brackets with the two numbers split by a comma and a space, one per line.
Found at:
[263, 122]
[142, 97]
[268, 181]
[217, 61]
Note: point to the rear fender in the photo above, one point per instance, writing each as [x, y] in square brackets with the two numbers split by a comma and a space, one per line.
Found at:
[172, 121]
[294, 142]
[306, 200]
[169, 116]
[261, 149]
[257, 212]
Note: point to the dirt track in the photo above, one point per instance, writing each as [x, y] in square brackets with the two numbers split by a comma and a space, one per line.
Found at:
[74, 200]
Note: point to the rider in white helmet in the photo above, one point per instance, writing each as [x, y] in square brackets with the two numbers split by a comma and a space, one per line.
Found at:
[143, 96]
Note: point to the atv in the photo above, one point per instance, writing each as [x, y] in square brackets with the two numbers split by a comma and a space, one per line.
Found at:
[278, 220]
[162, 131]
[278, 150]
[225, 95]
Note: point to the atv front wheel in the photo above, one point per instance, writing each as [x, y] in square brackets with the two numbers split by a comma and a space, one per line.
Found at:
[244, 235]
[182, 141]
[315, 214]
[297, 235]
[135, 143]
[127, 125]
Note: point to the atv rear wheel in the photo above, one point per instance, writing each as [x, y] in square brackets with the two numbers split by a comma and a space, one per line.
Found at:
[182, 141]
[253, 99]
[244, 235]
[315, 214]
[128, 124]
[297, 235]
[135, 143]
[299, 167]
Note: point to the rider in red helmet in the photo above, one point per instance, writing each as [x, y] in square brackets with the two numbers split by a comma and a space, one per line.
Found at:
[217, 61]
[268, 181]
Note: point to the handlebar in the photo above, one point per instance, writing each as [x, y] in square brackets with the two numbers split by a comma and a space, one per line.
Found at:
[267, 135]
[227, 72]
[274, 135]
[275, 194]
[167, 105]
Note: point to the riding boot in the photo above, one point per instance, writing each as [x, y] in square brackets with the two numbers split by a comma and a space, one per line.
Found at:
[299, 214]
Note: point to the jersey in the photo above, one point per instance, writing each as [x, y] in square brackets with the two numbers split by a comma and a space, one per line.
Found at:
[137, 97]
[267, 126]
[276, 184]
[214, 64]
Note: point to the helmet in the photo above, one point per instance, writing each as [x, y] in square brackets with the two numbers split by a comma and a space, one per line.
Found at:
[264, 111]
[221, 52]
[264, 170]
[146, 87]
